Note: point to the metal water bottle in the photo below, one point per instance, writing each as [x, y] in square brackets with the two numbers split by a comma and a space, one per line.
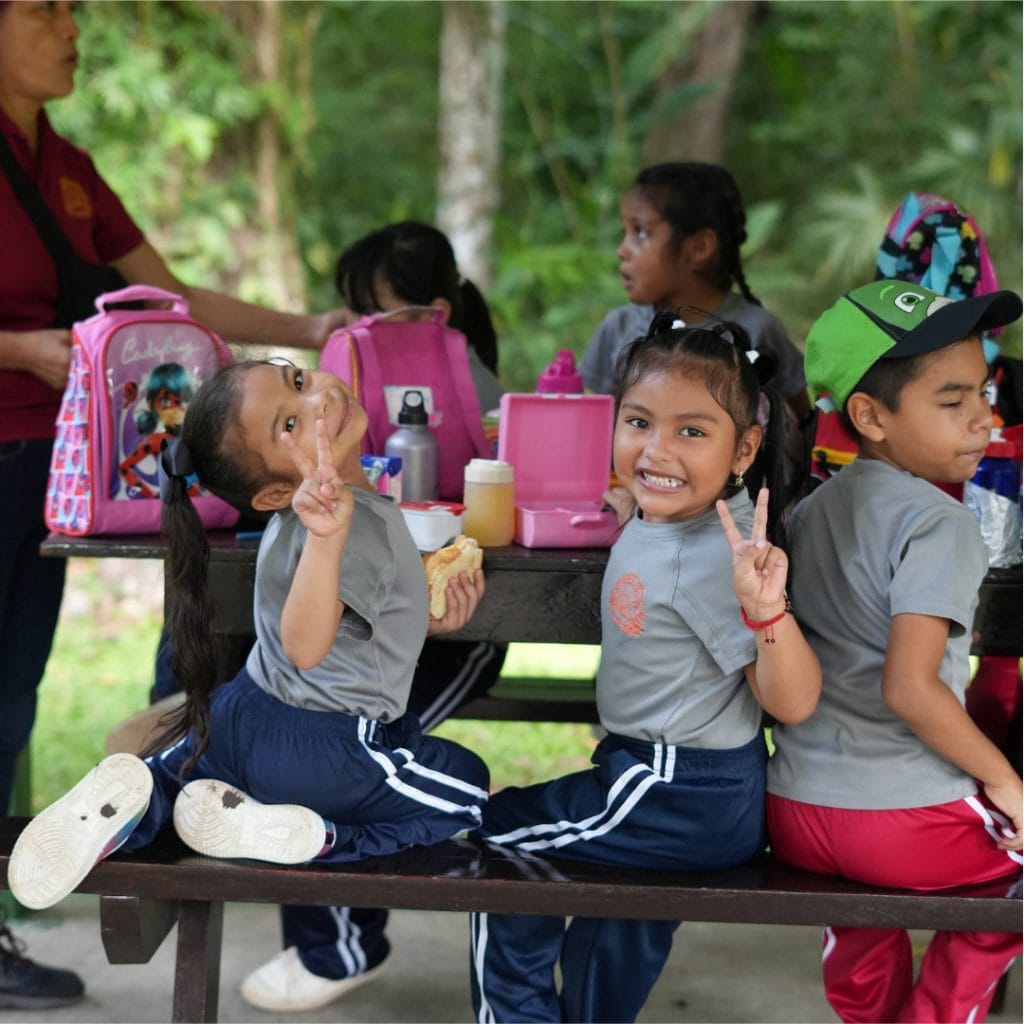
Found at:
[416, 446]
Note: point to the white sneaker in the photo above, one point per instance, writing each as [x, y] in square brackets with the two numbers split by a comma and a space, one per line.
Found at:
[284, 984]
[63, 843]
[216, 819]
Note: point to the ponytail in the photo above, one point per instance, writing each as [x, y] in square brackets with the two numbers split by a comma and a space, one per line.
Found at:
[207, 451]
[190, 615]
[473, 319]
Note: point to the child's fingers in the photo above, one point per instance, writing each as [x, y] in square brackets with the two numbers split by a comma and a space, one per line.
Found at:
[732, 535]
[760, 531]
[302, 464]
[323, 446]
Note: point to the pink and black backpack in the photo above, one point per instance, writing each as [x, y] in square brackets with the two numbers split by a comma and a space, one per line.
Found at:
[133, 373]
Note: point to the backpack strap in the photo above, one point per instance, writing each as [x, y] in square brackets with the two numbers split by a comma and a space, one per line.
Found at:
[465, 391]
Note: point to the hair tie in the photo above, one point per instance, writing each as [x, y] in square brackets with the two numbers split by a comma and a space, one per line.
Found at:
[175, 465]
[678, 325]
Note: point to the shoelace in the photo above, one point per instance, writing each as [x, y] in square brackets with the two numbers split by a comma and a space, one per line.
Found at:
[10, 944]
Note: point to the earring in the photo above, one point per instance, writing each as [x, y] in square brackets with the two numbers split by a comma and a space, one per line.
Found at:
[738, 479]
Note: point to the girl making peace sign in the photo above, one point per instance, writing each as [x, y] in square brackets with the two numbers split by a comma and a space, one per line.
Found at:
[688, 662]
[308, 752]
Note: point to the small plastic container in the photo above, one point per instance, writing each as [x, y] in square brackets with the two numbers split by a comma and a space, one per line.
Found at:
[433, 524]
[490, 499]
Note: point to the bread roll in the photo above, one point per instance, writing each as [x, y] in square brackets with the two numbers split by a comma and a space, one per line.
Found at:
[463, 555]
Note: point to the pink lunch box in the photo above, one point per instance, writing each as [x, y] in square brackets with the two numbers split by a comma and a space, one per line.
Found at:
[561, 448]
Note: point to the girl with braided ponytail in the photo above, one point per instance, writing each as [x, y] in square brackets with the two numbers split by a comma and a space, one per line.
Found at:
[309, 752]
[683, 227]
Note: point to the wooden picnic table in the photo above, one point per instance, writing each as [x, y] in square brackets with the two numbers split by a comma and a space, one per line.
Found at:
[534, 595]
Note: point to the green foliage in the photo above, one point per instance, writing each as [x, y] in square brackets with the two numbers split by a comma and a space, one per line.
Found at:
[839, 110]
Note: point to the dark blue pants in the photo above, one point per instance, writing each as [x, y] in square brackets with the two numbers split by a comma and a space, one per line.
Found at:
[643, 805]
[30, 593]
[384, 787]
[337, 942]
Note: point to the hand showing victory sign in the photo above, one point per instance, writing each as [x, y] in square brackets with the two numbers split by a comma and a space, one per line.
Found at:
[759, 568]
[322, 502]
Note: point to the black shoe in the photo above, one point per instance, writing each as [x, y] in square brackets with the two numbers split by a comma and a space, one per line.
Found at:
[26, 985]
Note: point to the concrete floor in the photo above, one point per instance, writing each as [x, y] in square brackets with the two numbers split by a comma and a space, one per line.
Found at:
[717, 973]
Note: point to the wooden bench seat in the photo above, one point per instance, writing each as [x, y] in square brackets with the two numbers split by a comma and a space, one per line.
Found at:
[142, 895]
[521, 699]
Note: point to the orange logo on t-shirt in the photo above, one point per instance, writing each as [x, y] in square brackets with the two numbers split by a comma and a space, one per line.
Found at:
[626, 604]
[76, 199]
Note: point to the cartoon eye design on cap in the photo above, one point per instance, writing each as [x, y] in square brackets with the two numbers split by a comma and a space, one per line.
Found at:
[908, 301]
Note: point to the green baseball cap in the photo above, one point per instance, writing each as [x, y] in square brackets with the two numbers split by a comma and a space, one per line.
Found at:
[891, 320]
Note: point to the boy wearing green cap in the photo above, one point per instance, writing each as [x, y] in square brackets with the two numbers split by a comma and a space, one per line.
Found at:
[879, 784]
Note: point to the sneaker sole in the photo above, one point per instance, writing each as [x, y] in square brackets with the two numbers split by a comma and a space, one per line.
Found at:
[214, 818]
[63, 843]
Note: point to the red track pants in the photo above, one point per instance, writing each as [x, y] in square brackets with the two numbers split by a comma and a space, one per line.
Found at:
[868, 972]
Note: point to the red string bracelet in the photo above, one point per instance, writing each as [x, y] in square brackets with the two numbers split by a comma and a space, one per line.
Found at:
[766, 624]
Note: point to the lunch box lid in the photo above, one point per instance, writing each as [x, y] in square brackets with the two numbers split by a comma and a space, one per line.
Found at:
[559, 444]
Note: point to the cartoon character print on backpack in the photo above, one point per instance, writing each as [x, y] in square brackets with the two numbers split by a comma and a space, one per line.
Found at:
[157, 417]
[133, 373]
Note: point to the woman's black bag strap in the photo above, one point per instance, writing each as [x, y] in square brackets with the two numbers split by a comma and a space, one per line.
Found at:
[79, 281]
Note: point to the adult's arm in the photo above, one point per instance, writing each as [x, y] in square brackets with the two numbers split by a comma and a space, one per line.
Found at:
[231, 318]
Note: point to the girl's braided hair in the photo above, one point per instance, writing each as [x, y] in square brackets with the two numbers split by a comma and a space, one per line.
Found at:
[692, 196]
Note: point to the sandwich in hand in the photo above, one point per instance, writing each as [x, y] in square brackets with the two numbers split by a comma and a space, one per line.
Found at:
[462, 555]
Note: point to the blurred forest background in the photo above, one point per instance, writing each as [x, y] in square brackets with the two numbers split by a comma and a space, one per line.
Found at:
[254, 140]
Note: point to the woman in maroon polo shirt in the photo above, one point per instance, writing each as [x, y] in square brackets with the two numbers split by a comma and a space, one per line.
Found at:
[38, 57]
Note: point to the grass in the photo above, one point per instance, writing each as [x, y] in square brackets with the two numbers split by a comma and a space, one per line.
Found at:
[101, 669]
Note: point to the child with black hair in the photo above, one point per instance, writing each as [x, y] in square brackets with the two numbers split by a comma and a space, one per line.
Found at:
[683, 227]
[309, 751]
[889, 782]
[688, 662]
[413, 264]
[329, 951]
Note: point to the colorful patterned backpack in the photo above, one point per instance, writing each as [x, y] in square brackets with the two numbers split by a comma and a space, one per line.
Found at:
[133, 373]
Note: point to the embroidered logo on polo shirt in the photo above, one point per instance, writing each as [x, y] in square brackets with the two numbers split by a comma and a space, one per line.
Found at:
[76, 199]
[626, 604]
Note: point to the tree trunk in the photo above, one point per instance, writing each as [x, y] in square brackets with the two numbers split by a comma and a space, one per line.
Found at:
[267, 244]
[471, 70]
[697, 130]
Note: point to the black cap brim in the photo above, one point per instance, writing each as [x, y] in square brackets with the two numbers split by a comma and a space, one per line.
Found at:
[957, 320]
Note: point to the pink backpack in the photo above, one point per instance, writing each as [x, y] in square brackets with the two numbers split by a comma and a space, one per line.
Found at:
[380, 359]
[133, 373]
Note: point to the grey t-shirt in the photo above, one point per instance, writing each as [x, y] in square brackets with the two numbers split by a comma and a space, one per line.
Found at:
[369, 668]
[871, 543]
[626, 323]
[673, 645]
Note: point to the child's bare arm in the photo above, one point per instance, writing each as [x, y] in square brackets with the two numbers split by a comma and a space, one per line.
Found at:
[786, 678]
[312, 611]
[913, 689]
